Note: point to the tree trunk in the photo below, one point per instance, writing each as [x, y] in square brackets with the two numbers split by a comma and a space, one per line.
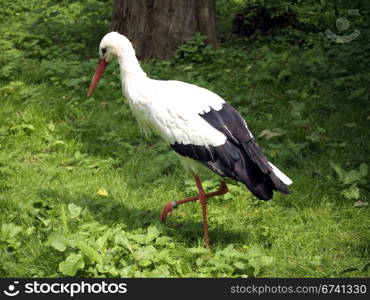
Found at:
[158, 27]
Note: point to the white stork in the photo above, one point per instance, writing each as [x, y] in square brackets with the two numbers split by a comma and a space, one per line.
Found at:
[198, 124]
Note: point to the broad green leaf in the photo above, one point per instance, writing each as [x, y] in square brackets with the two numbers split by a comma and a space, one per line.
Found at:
[51, 126]
[351, 176]
[160, 271]
[145, 262]
[77, 155]
[101, 242]
[198, 250]
[240, 265]
[284, 73]
[138, 238]
[44, 221]
[352, 193]
[145, 253]
[363, 169]
[108, 258]
[257, 259]
[74, 210]
[165, 255]
[229, 251]
[228, 196]
[337, 168]
[90, 252]
[57, 143]
[122, 240]
[153, 232]
[72, 264]
[199, 261]
[358, 92]
[30, 230]
[9, 230]
[57, 241]
[163, 241]
[297, 109]
[27, 127]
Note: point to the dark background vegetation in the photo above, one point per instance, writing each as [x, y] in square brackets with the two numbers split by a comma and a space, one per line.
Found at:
[81, 188]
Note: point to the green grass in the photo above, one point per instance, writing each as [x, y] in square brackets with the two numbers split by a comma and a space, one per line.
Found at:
[81, 189]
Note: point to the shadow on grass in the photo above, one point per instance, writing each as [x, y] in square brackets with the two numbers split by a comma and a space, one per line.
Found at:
[111, 212]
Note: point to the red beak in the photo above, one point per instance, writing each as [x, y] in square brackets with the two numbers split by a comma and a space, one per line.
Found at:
[98, 74]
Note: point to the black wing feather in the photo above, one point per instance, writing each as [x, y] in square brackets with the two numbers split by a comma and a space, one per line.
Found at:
[239, 158]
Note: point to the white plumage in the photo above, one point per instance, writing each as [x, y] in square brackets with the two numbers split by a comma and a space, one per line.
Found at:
[175, 116]
[285, 179]
[169, 107]
[198, 124]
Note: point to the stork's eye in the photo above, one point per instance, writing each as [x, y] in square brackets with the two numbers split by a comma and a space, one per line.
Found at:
[103, 50]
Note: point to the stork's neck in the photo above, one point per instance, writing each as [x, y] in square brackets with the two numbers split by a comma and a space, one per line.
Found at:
[129, 65]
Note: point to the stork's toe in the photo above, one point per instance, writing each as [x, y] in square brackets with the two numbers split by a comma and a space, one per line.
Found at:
[167, 209]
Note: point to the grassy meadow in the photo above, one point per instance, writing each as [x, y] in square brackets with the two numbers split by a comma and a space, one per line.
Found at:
[81, 188]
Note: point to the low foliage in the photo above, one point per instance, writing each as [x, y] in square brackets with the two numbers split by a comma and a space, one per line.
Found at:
[81, 188]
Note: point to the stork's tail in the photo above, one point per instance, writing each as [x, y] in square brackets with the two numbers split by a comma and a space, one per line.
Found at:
[260, 175]
[262, 184]
[285, 179]
[279, 180]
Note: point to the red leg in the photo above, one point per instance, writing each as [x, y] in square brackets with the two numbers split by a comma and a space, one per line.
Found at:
[222, 190]
[203, 202]
[168, 208]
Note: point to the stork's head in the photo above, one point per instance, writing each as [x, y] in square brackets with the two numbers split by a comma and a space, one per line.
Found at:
[111, 46]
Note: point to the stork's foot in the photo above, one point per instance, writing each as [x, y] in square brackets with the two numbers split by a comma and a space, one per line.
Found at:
[167, 209]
